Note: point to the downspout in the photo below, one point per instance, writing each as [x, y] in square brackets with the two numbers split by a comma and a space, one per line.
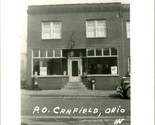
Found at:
[122, 37]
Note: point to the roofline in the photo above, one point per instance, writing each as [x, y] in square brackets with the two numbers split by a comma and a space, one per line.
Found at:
[87, 7]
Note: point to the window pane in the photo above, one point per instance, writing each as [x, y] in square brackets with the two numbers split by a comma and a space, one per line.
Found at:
[50, 53]
[101, 28]
[128, 29]
[51, 30]
[77, 53]
[113, 51]
[102, 65]
[43, 67]
[98, 52]
[64, 53]
[46, 30]
[54, 67]
[56, 31]
[36, 66]
[90, 29]
[42, 53]
[35, 53]
[57, 53]
[106, 51]
[101, 32]
[91, 52]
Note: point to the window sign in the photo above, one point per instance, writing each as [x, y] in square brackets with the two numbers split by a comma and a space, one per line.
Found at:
[43, 71]
[113, 70]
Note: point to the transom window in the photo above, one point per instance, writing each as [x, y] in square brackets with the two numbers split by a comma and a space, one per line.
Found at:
[128, 29]
[48, 62]
[96, 28]
[51, 30]
[102, 52]
[101, 61]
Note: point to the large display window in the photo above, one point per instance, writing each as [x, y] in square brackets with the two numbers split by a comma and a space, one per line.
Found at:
[48, 63]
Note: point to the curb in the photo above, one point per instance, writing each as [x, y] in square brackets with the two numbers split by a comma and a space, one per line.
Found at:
[69, 94]
[74, 117]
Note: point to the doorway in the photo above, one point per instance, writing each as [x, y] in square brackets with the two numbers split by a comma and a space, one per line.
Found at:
[74, 69]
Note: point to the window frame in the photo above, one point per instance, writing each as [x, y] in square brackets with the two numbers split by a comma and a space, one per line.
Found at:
[51, 34]
[95, 28]
[127, 25]
[104, 56]
[44, 58]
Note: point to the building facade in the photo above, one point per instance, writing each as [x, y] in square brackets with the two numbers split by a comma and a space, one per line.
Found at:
[76, 42]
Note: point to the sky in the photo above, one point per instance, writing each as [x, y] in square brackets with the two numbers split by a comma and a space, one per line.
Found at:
[47, 2]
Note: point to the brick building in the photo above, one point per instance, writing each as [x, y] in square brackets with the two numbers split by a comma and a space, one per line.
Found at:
[69, 44]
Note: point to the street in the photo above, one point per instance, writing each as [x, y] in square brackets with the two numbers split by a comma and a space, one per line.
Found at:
[75, 110]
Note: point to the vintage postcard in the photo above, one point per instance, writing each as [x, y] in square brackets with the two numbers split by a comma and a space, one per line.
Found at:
[74, 62]
[77, 64]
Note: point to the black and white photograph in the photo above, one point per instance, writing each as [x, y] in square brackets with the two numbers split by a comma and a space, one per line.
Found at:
[77, 64]
[74, 63]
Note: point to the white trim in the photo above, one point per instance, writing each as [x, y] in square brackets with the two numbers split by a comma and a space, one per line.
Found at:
[32, 63]
[74, 78]
[102, 56]
[110, 51]
[54, 53]
[60, 52]
[52, 76]
[128, 29]
[94, 52]
[102, 52]
[102, 75]
[49, 57]
[129, 64]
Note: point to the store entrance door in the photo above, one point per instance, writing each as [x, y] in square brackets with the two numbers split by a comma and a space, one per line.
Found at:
[74, 69]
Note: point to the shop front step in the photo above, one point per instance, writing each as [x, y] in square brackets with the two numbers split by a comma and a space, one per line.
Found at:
[75, 85]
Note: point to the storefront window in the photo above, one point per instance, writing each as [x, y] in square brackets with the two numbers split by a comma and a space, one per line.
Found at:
[102, 65]
[45, 67]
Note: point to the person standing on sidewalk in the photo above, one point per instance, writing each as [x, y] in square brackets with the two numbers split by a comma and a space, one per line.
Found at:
[36, 87]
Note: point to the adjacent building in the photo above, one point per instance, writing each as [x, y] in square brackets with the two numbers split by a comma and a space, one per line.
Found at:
[70, 44]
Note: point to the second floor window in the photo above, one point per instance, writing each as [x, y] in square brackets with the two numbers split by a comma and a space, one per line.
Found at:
[96, 28]
[51, 30]
[128, 29]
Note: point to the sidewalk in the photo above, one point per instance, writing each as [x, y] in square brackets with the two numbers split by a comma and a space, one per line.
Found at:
[70, 93]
